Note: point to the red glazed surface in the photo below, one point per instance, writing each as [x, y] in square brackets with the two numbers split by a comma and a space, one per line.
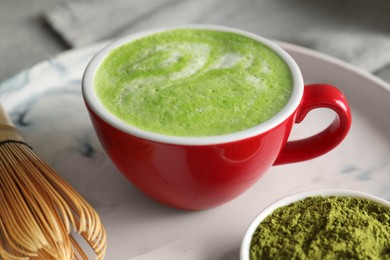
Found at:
[319, 96]
[191, 177]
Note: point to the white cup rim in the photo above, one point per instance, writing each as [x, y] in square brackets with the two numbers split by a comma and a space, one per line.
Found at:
[245, 245]
[93, 102]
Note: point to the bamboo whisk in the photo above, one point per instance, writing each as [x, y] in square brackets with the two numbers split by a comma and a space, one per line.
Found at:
[38, 208]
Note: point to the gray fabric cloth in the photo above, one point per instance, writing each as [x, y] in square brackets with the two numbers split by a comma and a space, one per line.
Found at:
[356, 31]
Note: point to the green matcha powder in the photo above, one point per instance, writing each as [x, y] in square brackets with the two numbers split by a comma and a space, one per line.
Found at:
[324, 228]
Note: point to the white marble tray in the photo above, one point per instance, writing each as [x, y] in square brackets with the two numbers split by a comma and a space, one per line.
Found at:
[46, 105]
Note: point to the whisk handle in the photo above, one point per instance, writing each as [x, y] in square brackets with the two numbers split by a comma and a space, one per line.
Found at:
[7, 128]
[4, 118]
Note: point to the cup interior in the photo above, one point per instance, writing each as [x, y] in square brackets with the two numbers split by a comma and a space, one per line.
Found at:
[245, 245]
[96, 106]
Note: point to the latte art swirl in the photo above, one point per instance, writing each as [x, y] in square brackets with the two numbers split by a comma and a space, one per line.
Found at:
[192, 82]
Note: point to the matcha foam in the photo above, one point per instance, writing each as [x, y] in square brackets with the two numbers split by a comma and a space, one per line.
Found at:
[193, 82]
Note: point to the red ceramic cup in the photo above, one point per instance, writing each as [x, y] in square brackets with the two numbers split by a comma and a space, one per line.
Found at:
[203, 172]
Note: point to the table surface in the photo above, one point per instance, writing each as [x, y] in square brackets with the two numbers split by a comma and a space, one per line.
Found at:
[25, 37]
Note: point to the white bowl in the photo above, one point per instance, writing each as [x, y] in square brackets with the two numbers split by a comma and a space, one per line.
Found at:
[245, 246]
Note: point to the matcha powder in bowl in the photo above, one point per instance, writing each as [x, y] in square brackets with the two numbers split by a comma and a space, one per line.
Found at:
[345, 225]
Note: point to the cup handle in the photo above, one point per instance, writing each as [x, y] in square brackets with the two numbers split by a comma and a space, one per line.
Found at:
[318, 96]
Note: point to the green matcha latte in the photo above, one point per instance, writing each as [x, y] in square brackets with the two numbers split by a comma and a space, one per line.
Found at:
[193, 82]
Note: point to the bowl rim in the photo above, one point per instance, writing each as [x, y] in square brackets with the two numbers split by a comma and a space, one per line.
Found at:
[297, 196]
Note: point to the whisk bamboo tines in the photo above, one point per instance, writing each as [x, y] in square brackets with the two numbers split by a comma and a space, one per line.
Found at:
[38, 209]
